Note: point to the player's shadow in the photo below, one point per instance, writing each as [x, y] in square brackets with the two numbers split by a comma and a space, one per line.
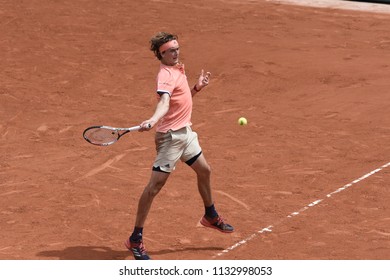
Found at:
[187, 249]
[106, 253]
[85, 253]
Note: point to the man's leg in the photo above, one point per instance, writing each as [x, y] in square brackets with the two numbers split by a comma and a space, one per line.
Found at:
[203, 173]
[135, 243]
[156, 182]
[211, 217]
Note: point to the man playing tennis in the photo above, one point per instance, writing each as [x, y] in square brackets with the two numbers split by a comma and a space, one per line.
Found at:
[174, 139]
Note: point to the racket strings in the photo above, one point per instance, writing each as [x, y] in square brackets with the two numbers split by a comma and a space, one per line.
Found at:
[101, 136]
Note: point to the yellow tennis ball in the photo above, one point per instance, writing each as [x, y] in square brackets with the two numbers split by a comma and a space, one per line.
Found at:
[242, 121]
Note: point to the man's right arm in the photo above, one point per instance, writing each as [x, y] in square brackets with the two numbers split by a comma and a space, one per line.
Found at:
[161, 109]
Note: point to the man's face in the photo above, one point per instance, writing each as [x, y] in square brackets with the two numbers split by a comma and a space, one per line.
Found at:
[170, 56]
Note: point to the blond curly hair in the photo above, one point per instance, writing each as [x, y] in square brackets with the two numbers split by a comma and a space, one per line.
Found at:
[160, 39]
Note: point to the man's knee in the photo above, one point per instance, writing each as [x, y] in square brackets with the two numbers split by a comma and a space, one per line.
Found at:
[153, 188]
[207, 169]
[204, 171]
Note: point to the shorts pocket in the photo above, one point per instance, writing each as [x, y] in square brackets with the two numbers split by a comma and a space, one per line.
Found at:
[162, 138]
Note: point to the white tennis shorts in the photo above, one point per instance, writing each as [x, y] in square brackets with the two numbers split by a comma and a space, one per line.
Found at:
[181, 144]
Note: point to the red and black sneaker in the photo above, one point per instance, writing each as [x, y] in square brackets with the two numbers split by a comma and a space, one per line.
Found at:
[216, 223]
[138, 249]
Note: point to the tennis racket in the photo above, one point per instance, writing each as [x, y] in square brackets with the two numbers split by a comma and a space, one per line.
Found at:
[106, 135]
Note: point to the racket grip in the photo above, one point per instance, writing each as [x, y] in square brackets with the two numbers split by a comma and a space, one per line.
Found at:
[139, 127]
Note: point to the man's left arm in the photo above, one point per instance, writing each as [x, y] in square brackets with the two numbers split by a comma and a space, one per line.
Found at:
[203, 81]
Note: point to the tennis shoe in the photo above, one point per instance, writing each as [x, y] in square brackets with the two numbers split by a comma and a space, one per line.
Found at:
[138, 249]
[216, 223]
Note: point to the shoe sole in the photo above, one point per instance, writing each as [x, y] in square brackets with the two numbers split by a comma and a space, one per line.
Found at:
[207, 224]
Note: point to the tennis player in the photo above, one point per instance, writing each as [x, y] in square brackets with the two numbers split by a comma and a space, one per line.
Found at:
[174, 139]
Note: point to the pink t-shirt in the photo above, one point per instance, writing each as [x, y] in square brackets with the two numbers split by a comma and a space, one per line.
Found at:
[173, 81]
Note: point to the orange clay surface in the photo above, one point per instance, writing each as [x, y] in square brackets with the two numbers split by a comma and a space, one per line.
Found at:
[312, 82]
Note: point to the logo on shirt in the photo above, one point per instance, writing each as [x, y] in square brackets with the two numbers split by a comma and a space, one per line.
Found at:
[164, 83]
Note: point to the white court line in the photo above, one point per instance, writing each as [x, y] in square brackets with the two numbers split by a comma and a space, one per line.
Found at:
[293, 214]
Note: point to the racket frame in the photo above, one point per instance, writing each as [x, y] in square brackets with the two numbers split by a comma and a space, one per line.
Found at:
[119, 130]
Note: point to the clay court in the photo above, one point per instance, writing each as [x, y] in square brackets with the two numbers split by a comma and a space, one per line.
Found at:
[312, 82]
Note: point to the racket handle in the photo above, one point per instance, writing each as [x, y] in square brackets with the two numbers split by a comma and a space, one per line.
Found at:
[138, 127]
[134, 128]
